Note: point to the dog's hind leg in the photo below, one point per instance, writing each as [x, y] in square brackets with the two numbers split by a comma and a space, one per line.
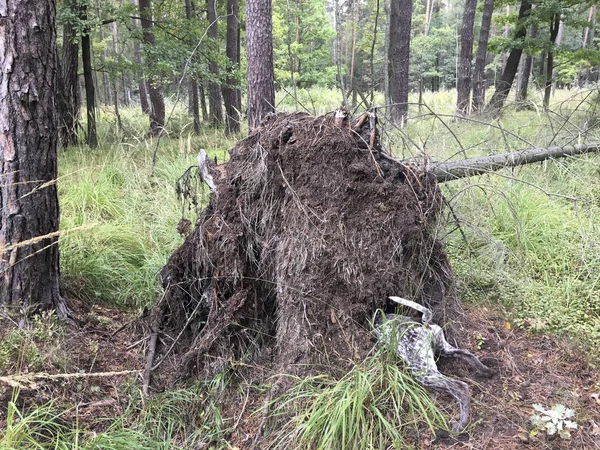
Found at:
[457, 389]
[445, 349]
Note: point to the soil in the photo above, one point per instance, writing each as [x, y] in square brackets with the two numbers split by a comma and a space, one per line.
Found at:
[531, 369]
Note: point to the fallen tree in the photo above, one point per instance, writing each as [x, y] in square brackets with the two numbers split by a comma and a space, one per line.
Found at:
[453, 170]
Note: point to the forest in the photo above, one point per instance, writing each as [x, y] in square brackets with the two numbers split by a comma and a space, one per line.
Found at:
[205, 208]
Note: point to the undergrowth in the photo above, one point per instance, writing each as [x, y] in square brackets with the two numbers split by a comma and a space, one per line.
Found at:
[176, 420]
[128, 212]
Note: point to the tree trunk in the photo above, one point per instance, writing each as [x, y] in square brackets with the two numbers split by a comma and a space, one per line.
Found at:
[192, 83]
[525, 72]
[479, 74]
[259, 55]
[157, 113]
[505, 83]
[466, 55]
[453, 170]
[28, 157]
[353, 54]
[139, 73]
[591, 37]
[90, 91]
[398, 59]
[337, 57]
[115, 79]
[214, 87]
[554, 27]
[68, 95]
[231, 92]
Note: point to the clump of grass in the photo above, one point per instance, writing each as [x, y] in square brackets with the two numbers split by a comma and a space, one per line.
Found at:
[375, 405]
[175, 420]
[129, 213]
[40, 428]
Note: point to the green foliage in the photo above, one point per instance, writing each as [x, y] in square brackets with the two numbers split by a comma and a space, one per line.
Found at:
[126, 216]
[34, 346]
[555, 420]
[305, 27]
[375, 405]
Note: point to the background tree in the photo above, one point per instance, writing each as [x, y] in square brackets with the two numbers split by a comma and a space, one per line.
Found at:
[479, 72]
[504, 85]
[69, 97]
[232, 96]
[398, 58]
[214, 87]
[192, 83]
[259, 56]
[525, 70]
[157, 102]
[29, 260]
[88, 76]
[466, 55]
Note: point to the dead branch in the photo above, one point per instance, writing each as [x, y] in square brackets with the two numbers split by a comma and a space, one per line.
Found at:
[29, 381]
[453, 170]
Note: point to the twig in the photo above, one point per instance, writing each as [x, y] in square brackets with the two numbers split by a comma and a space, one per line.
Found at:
[149, 360]
[28, 381]
[161, 360]
[135, 344]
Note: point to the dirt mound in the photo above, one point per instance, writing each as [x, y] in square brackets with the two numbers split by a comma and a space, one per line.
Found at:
[310, 230]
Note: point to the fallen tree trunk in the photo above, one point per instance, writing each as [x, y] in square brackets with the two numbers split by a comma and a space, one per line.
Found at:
[454, 170]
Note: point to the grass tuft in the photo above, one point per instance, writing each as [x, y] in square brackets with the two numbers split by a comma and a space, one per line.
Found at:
[375, 405]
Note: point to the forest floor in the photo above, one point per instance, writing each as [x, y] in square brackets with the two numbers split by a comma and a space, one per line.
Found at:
[531, 369]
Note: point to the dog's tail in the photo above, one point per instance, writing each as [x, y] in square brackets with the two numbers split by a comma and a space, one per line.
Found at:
[427, 314]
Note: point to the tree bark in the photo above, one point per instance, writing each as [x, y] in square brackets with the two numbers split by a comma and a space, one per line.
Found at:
[214, 86]
[398, 59]
[157, 113]
[259, 55]
[453, 170]
[90, 90]
[232, 96]
[525, 72]
[554, 27]
[29, 271]
[479, 74]
[466, 55]
[505, 83]
[68, 95]
[192, 83]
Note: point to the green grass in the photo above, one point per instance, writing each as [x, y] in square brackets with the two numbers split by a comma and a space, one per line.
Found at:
[175, 420]
[128, 213]
[374, 406]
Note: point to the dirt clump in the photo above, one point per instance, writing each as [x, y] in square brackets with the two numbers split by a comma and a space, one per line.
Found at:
[311, 228]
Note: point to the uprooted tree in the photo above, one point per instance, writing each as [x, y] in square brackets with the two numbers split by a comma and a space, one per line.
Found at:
[311, 226]
[309, 230]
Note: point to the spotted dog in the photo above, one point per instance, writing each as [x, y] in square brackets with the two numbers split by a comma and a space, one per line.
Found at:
[418, 343]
